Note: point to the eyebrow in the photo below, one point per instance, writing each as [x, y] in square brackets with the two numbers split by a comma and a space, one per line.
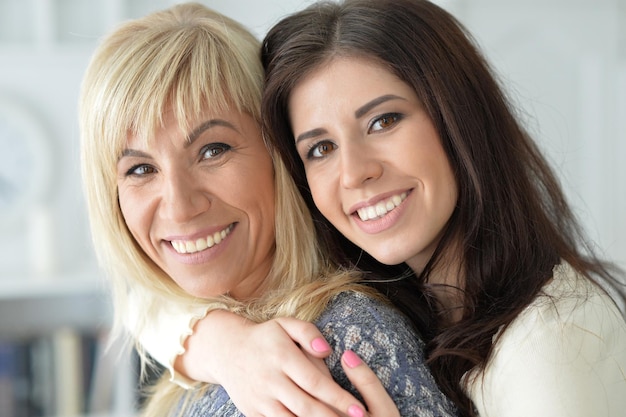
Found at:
[360, 112]
[377, 101]
[188, 140]
[133, 153]
[310, 134]
[205, 126]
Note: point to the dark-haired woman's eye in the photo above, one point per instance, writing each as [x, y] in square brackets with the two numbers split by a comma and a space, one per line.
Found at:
[384, 122]
[321, 149]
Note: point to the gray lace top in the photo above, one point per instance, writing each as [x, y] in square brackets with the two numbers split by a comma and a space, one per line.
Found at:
[383, 338]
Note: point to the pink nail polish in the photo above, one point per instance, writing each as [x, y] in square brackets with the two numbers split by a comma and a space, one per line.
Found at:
[320, 345]
[351, 359]
[355, 411]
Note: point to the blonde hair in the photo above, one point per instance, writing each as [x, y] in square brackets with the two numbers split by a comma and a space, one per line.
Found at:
[187, 58]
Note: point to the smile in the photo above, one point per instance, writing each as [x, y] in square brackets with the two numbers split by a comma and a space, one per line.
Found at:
[381, 208]
[193, 246]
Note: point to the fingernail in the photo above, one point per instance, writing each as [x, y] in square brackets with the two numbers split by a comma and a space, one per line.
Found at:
[355, 411]
[320, 345]
[351, 359]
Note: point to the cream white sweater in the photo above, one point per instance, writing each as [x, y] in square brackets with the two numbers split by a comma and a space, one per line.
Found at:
[564, 356]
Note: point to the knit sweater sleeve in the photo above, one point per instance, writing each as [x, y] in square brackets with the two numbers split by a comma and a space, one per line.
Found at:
[389, 345]
[164, 332]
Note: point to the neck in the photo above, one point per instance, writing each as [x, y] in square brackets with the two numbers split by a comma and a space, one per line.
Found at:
[446, 283]
[450, 299]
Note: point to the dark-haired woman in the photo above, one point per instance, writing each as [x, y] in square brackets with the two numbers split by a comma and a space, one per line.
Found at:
[406, 149]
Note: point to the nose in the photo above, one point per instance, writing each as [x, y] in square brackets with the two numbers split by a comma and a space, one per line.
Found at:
[183, 198]
[358, 166]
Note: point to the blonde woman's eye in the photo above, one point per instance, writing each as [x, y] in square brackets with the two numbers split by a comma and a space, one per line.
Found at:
[140, 170]
[384, 122]
[321, 149]
[214, 150]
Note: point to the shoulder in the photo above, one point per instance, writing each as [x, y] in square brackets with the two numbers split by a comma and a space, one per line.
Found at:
[352, 319]
[355, 308]
[567, 351]
[570, 302]
[389, 345]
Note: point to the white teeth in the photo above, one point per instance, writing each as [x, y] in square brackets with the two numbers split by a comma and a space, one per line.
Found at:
[381, 208]
[178, 247]
[201, 244]
[189, 246]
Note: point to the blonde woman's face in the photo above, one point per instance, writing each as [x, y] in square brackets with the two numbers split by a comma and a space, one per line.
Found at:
[201, 203]
[373, 159]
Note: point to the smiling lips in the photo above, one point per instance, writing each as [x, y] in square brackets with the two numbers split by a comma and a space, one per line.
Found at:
[193, 246]
[381, 208]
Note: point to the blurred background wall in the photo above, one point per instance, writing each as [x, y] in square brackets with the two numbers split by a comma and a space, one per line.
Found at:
[564, 62]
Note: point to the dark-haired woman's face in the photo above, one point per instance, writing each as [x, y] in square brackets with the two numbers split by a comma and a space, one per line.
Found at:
[373, 160]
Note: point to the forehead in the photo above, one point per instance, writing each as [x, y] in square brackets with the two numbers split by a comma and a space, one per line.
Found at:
[345, 83]
[170, 124]
[358, 73]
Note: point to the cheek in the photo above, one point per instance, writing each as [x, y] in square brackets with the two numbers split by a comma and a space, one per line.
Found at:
[133, 212]
[252, 192]
[267, 199]
[444, 175]
[322, 191]
[124, 203]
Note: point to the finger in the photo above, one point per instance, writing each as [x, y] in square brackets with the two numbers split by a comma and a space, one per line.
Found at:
[303, 386]
[312, 377]
[275, 409]
[323, 388]
[264, 356]
[323, 396]
[299, 403]
[307, 335]
[378, 401]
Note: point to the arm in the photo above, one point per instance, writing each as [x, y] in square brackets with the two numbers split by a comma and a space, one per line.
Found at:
[162, 329]
[225, 348]
[294, 378]
[366, 382]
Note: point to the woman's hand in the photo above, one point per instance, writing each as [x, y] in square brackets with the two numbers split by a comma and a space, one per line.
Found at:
[378, 401]
[268, 369]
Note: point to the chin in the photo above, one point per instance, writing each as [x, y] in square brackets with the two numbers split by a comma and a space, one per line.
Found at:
[201, 292]
[389, 258]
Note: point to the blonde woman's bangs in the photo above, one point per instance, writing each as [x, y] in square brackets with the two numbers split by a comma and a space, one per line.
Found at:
[199, 62]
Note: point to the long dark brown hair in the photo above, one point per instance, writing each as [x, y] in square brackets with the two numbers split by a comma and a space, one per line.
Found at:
[512, 219]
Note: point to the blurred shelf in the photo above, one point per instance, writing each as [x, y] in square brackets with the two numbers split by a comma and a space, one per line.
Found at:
[76, 282]
[31, 305]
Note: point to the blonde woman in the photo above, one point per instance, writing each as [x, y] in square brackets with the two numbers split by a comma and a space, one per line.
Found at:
[191, 211]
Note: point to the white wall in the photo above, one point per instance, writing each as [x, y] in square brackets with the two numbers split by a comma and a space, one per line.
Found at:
[564, 61]
[45, 46]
